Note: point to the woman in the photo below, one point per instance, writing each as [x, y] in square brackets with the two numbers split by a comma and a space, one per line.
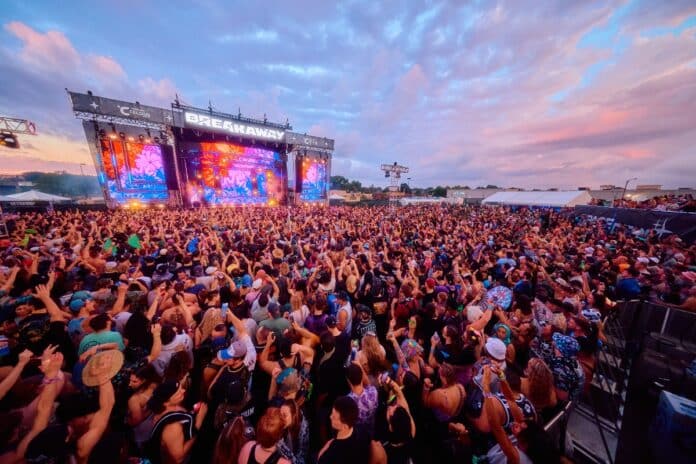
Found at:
[452, 351]
[447, 401]
[504, 333]
[143, 381]
[265, 450]
[537, 385]
[372, 357]
[231, 441]
[173, 434]
[298, 310]
[295, 442]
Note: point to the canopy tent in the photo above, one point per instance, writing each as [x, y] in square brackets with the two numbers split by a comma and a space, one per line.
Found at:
[336, 197]
[34, 195]
[551, 199]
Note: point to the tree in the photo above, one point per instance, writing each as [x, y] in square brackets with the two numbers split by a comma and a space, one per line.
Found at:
[405, 188]
[339, 183]
[439, 191]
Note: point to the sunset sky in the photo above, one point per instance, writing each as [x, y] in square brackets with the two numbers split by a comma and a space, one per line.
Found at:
[519, 93]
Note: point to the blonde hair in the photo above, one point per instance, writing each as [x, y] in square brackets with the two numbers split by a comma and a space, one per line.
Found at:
[540, 380]
[374, 354]
[296, 301]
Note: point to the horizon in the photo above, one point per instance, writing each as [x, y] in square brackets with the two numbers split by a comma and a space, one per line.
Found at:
[519, 95]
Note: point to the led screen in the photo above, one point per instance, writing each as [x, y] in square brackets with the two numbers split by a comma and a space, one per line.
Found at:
[132, 171]
[314, 182]
[228, 173]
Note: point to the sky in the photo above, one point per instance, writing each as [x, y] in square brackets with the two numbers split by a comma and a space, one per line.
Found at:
[525, 93]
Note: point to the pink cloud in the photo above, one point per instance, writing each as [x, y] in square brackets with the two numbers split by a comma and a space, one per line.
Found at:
[49, 50]
[160, 91]
[107, 67]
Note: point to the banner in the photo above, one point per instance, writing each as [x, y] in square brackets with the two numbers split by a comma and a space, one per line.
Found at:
[309, 141]
[663, 222]
[121, 109]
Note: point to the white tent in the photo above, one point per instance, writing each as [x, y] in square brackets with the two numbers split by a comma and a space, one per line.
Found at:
[548, 198]
[336, 197]
[35, 195]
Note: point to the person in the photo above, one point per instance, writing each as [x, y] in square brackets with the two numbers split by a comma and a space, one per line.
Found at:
[174, 432]
[344, 315]
[143, 382]
[229, 445]
[537, 385]
[79, 431]
[11, 378]
[265, 450]
[567, 371]
[295, 442]
[101, 335]
[364, 395]
[349, 446]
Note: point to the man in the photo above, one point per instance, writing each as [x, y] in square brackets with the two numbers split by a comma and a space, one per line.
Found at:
[365, 396]
[349, 446]
[344, 315]
[276, 322]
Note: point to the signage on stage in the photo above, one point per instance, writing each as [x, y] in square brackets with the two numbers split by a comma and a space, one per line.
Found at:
[199, 121]
[309, 141]
[121, 109]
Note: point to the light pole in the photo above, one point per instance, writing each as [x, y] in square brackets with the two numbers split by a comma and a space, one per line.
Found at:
[625, 187]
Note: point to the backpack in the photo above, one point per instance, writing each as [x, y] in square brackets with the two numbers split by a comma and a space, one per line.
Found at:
[378, 289]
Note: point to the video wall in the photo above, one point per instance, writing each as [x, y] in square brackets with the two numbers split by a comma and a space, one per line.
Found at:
[132, 171]
[314, 180]
[229, 173]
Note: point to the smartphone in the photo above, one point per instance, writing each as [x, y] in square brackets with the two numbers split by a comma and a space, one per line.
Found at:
[225, 307]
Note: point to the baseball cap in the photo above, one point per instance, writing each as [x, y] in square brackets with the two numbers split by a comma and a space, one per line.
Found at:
[246, 280]
[76, 305]
[496, 349]
[82, 295]
[235, 350]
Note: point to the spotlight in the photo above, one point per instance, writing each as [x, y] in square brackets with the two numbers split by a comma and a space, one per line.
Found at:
[131, 138]
[113, 136]
[122, 135]
[141, 138]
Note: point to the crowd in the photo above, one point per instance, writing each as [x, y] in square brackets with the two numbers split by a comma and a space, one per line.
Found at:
[685, 203]
[331, 335]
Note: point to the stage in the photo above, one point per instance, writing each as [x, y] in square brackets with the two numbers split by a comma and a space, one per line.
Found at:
[191, 157]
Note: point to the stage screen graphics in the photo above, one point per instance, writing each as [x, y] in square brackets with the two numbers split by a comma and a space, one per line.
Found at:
[314, 182]
[132, 171]
[228, 173]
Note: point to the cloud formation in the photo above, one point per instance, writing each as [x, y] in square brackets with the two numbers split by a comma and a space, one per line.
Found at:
[523, 93]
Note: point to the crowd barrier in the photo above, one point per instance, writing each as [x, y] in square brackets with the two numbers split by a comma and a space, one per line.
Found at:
[664, 222]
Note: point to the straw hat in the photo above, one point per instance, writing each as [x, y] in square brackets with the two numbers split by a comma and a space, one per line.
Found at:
[101, 367]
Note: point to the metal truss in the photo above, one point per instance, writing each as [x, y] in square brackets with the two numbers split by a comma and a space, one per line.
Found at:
[119, 120]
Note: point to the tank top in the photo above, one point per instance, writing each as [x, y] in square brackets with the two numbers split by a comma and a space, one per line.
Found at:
[154, 444]
[272, 459]
[527, 408]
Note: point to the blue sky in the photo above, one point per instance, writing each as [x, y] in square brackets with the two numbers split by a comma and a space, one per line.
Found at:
[523, 93]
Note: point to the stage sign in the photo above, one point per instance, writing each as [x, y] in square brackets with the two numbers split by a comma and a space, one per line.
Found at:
[308, 141]
[213, 123]
[120, 109]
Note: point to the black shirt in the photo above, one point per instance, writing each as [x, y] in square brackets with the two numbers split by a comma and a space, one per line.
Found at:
[353, 449]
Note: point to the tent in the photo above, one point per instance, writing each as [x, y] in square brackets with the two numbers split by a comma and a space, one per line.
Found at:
[35, 195]
[555, 199]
